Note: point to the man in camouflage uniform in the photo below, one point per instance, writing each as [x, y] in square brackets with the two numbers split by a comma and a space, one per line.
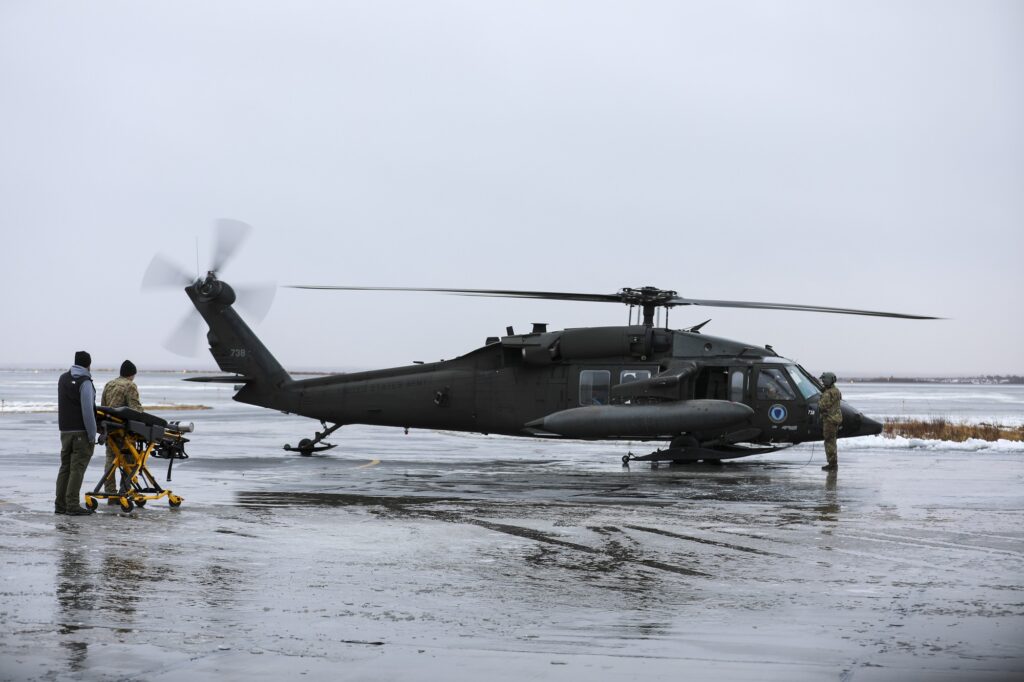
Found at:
[119, 392]
[831, 418]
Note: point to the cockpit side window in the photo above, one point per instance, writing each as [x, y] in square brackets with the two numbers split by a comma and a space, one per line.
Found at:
[595, 385]
[772, 385]
[802, 381]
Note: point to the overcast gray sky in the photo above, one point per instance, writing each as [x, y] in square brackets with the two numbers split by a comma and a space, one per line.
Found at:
[853, 154]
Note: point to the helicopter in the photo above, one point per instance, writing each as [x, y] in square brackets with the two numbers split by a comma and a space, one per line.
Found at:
[709, 398]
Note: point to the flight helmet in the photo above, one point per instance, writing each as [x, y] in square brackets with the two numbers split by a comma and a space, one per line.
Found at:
[828, 379]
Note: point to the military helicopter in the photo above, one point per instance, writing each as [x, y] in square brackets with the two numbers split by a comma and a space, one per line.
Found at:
[708, 398]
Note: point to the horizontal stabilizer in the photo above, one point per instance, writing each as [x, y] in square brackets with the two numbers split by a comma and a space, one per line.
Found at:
[224, 379]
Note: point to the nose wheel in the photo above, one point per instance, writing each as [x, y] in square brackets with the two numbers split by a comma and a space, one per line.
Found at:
[307, 446]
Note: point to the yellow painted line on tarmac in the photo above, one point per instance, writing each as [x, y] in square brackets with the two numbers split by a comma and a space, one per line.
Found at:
[371, 463]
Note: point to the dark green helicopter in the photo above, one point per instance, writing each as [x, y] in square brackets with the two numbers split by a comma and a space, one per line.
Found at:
[709, 398]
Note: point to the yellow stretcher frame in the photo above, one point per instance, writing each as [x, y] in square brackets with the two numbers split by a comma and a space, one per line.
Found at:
[131, 451]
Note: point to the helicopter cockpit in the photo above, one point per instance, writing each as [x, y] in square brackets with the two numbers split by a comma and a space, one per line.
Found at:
[772, 383]
[782, 394]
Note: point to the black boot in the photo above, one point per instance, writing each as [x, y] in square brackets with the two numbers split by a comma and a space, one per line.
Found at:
[79, 511]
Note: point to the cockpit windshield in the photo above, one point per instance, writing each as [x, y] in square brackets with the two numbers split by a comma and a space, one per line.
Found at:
[802, 381]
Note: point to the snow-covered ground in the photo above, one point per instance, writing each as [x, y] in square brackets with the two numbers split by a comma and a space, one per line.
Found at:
[902, 443]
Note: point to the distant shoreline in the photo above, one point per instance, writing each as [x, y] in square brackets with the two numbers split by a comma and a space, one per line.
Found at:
[115, 370]
[145, 408]
[988, 380]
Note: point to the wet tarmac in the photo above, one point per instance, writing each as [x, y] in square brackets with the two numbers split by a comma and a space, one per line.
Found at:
[432, 555]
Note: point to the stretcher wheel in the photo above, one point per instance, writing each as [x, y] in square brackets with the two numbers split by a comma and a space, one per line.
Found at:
[126, 504]
[174, 501]
[140, 503]
[91, 503]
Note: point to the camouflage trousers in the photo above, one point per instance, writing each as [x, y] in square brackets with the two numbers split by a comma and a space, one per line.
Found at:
[75, 452]
[829, 431]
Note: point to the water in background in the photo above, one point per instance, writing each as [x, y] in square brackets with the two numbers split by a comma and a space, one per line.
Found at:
[957, 402]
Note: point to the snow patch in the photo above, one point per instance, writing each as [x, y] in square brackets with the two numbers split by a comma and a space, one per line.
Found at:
[902, 443]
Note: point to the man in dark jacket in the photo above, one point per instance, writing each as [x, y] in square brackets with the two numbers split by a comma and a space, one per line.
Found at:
[76, 416]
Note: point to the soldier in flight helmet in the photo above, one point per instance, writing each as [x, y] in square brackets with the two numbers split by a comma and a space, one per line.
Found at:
[831, 418]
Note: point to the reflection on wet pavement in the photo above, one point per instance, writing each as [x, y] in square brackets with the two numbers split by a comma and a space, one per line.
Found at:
[500, 564]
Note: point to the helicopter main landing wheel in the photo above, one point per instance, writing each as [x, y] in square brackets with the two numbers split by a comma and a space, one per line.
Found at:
[307, 446]
[625, 459]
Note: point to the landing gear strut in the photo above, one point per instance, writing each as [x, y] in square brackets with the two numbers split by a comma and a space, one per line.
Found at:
[307, 446]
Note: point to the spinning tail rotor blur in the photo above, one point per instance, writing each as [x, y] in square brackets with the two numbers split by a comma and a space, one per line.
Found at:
[163, 274]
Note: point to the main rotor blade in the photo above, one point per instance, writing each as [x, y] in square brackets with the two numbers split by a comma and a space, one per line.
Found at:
[642, 297]
[503, 293]
[679, 300]
[184, 340]
[231, 234]
[162, 274]
[255, 300]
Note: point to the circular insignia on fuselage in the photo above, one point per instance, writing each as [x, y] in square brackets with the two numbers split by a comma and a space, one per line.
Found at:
[777, 413]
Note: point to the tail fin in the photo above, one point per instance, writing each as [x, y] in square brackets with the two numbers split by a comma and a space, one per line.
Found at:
[233, 344]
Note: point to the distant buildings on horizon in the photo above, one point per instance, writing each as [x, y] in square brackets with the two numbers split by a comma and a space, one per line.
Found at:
[991, 379]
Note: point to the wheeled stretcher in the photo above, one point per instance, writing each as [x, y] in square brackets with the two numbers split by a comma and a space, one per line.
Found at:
[134, 437]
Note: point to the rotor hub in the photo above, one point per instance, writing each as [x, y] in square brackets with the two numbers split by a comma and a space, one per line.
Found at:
[645, 296]
[212, 289]
[648, 298]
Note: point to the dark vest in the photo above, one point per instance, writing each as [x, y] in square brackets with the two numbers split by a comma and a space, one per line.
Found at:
[69, 402]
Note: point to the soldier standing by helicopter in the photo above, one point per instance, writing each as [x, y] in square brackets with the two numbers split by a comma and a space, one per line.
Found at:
[119, 392]
[831, 418]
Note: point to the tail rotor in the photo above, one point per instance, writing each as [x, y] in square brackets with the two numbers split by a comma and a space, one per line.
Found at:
[163, 274]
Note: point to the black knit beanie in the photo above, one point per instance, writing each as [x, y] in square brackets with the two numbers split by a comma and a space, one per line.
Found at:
[128, 368]
[83, 359]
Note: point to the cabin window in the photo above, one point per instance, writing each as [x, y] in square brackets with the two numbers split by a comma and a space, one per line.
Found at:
[772, 385]
[627, 376]
[594, 386]
[736, 378]
[712, 383]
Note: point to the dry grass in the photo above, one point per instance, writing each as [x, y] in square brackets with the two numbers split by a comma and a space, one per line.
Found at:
[943, 429]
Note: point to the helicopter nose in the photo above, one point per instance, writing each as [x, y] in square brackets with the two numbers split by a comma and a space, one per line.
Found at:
[869, 427]
[856, 424]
